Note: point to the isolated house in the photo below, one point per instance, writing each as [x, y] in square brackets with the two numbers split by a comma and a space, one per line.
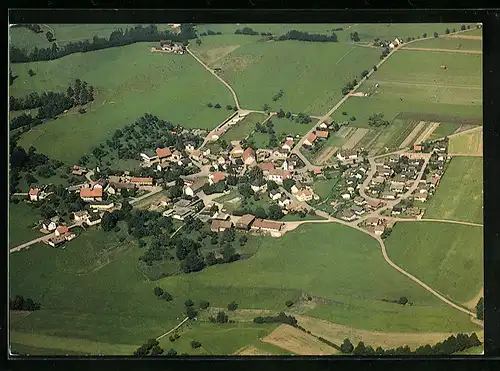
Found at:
[379, 229]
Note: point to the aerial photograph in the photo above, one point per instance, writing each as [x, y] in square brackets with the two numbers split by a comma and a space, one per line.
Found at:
[183, 190]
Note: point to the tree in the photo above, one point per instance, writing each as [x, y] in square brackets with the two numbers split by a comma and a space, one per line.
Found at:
[403, 300]
[31, 72]
[47, 211]
[210, 105]
[275, 212]
[288, 303]
[454, 30]
[198, 42]
[195, 344]
[166, 296]
[217, 105]
[188, 303]
[354, 36]
[108, 221]
[243, 240]
[347, 346]
[158, 291]
[271, 185]
[232, 306]
[462, 27]
[171, 352]
[480, 309]
[191, 312]
[447, 31]
[260, 212]
[221, 317]
[229, 107]
[156, 350]
[210, 259]
[245, 190]
[424, 35]
[436, 34]
[204, 304]
[50, 36]
[360, 349]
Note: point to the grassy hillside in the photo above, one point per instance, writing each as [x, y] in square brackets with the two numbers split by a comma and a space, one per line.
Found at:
[21, 220]
[459, 195]
[129, 81]
[448, 257]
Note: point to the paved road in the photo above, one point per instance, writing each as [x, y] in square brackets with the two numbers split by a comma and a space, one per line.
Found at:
[235, 97]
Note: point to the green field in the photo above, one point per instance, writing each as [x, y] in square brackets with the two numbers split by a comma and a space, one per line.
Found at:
[444, 129]
[213, 48]
[244, 127]
[35, 351]
[323, 188]
[449, 43]
[21, 220]
[459, 196]
[475, 32]
[448, 257]
[173, 87]
[218, 339]
[311, 74]
[26, 39]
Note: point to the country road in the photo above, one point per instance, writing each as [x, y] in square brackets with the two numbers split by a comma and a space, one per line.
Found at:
[445, 50]
[175, 328]
[149, 194]
[235, 97]
[438, 221]
[40, 239]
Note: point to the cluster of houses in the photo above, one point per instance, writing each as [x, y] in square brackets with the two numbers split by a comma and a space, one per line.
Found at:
[184, 208]
[360, 207]
[36, 194]
[247, 222]
[376, 225]
[319, 134]
[394, 176]
[169, 46]
[389, 44]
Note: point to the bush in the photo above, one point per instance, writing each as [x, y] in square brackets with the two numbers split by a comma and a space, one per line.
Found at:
[166, 296]
[288, 303]
[352, 118]
[195, 344]
[347, 346]
[217, 105]
[171, 338]
[344, 113]
[232, 306]
[188, 303]
[204, 304]
[210, 105]
[158, 291]
[171, 352]
[221, 317]
[191, 313]
[403, 300]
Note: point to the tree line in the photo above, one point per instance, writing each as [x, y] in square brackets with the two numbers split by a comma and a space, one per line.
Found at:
[118, 37]
[280, 318]
[306, 36]
[20, 303]
[449, 346]
[33, 27]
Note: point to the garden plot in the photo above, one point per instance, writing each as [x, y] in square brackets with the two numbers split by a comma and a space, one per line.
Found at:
[355, 137]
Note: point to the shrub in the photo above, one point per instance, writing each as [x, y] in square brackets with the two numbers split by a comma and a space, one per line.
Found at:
[232, 306]
[158, 291]
[166, 296]
[210, 105]
[195, 344]
[217, 105]
[288, 303]
[204, 304]
[188, 303]
[171, 352]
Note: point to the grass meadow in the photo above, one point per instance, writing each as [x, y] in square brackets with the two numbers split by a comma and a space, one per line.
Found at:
[448, 257]
[449, 43]
[78, 306]
[444, 129]
[244, 127]
[21, 220]
[311, 74]
[459, 196]
[467, 143]
[129, 81]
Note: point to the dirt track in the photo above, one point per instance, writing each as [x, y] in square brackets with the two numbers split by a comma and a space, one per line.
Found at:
[251, 351]
[409, 139]
[427, 132]
[446, 50]
[471, 37]
[473, 302]
[325, 155]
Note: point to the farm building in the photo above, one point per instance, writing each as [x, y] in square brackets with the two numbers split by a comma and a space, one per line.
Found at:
[245, 222]
[220, 225]
[262, 225]
[92, 193]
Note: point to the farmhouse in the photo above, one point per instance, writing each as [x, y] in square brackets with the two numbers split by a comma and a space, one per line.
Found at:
[305, 194]
[149, 157]
[267, 225]
[34, 194]
[345, 154]
[288, 145]
[93, 219]
[49, 225]
[348, 215]
[79, 216]
[220, 225]
[191, 188]
[163, 153]
[322, 134]
[89, 194]
[141, 181]
[310, 139]
[216, 177]
[245, 222]
[249, 156]
[104, 205]
[278, 175]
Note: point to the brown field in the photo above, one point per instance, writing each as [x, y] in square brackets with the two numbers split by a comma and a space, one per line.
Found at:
[459, 36]
[411, 137]
[355, 138]
[298, 342]
[471, 304]
[431, 117]
[337, 333]
[470, 143]
[251, 351]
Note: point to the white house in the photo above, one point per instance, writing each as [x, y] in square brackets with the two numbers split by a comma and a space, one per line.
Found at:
[189, 147]
[305, 194]
[49, 225]
[294, 189]
[149, 157]
[284, 202]
[34, 194]
[274, 195]
[346, 196]
[345, 154]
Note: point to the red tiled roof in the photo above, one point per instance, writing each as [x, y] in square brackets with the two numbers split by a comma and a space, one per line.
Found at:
[322, 133]
[289, 143]
[91, 192]
[33, 191]
[217, 177]
[283, 173]
[317, 171]
[163, 152]
[141, 180]
[311, 138]
[249, 152]
[62, 229]
[267, 166]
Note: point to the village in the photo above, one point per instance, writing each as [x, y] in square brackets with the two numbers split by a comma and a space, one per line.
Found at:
[369, 189]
